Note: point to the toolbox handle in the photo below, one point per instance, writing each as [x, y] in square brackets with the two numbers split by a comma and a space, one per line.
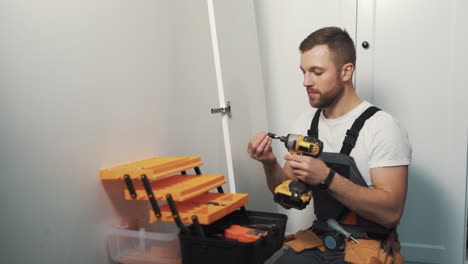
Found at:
[150, 194]
[197, 226]
[175, 214]
[130, 187]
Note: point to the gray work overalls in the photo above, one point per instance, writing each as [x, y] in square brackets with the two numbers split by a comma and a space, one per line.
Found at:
[325, 206]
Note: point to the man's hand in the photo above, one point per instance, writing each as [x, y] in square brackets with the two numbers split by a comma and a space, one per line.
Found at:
[259, 148]
[307, 169]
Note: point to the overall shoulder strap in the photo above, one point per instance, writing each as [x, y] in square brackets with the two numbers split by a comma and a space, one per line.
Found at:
[313, 131]
[353, 133]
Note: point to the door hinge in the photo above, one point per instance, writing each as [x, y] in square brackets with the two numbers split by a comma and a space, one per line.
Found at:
[223, 110]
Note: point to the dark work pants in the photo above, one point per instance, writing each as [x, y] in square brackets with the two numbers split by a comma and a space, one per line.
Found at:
[311, 256]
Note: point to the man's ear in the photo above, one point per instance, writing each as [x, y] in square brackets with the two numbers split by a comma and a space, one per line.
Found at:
[347, 71]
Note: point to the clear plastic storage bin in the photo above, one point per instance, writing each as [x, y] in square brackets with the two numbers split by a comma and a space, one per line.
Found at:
[142, 247]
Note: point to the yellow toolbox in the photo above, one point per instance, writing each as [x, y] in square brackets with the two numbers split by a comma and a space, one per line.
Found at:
[154, 179]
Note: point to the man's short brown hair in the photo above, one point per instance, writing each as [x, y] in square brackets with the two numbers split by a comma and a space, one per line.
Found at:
[338, 42]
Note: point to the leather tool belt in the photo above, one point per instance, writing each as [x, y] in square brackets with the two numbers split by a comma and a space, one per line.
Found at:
[368, 251]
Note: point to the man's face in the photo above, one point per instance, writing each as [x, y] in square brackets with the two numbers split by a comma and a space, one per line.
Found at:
[321, 78]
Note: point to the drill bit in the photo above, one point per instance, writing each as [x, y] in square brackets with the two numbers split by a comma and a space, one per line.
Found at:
[274, 136]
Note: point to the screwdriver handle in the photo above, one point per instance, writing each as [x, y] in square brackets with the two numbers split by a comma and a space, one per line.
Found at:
[332, 223]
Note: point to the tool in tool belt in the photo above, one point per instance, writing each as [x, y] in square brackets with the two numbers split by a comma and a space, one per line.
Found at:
[336, 240]
[295, 193]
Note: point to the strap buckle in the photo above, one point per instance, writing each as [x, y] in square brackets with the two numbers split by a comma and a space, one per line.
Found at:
[351, 138]
[313, 132]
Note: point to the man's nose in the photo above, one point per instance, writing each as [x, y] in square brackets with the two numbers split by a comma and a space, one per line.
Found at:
[308, 80]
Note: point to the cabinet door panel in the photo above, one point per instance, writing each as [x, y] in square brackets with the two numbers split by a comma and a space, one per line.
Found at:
[415, 58]
[192, 130]
[242, 83]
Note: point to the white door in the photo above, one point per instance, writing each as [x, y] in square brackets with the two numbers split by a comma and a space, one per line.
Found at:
[242, 84]
[416, 53]
[216, 60]
[192, 130]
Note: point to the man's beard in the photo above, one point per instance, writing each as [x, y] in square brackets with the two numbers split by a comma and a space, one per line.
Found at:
[330, 98]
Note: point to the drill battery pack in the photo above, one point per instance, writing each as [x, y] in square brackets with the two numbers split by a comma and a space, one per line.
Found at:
[293, 193]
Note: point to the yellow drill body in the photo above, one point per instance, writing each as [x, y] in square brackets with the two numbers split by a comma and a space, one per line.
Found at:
[303, 145]
[295, 193]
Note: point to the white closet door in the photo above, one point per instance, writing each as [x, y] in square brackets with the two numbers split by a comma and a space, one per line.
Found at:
[415, 51]
[242, 86]
[216, 60]
[192, 88]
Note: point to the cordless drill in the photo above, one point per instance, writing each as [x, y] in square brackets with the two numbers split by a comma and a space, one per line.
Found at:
[295, 193]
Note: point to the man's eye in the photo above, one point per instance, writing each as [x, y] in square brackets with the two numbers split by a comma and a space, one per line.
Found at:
[318, 73]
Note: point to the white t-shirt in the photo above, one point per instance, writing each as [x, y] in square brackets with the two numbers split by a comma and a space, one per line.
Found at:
[382, 142]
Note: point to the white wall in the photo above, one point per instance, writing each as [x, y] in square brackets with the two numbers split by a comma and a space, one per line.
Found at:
[83, 86]
[460, 108]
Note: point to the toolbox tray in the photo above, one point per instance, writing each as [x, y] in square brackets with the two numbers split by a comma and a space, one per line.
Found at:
[181, 187]
[202, 206]
[153, 168]
[214, 248]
